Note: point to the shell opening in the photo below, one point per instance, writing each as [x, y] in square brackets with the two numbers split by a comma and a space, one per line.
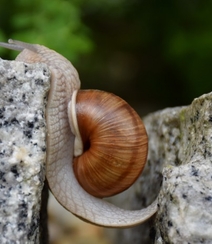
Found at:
[78, 145]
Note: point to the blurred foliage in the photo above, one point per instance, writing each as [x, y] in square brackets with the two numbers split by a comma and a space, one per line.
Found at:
[56, 24]
[149, 52]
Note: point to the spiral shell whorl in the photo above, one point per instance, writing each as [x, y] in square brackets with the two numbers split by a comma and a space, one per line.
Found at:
[115, 143]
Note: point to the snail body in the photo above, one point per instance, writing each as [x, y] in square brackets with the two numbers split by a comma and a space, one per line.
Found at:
[64, 140]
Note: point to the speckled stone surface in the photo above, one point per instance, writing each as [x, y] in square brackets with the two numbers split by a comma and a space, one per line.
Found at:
[23, 93]
[185, 213]
[180, 148]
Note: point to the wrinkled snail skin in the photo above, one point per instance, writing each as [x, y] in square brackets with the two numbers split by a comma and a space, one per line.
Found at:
[60, 141]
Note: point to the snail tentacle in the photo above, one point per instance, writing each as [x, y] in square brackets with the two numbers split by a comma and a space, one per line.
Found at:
[18, 45]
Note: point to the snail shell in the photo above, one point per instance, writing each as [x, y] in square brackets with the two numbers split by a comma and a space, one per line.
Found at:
[114, 142]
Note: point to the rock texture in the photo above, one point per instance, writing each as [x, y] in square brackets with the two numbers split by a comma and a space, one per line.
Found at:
[23, 93]
[180, 148]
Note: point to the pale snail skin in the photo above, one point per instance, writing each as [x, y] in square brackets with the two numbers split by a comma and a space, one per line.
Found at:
[60, 141]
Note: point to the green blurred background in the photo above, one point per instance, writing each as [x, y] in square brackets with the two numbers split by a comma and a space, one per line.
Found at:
[154, 54]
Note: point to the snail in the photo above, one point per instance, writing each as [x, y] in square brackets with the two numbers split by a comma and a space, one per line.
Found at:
[72, 139]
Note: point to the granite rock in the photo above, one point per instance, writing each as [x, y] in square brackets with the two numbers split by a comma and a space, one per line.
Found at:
[185, 199]
[23, 96]
[179, 171]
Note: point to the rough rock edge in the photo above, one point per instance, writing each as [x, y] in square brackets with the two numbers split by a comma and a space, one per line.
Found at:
[180, 148]
[23, 96]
